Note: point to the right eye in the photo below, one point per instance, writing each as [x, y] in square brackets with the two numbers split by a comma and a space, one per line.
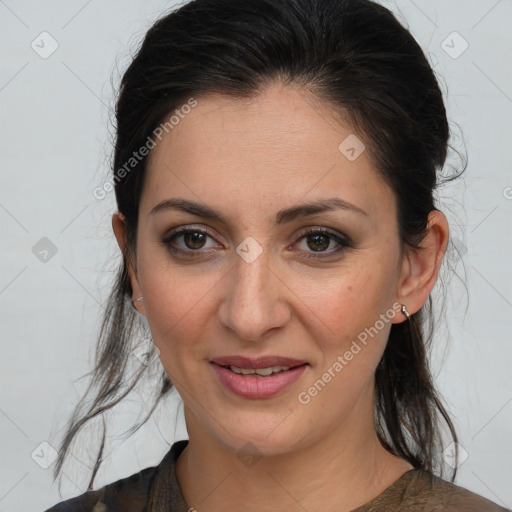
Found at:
[187, 241]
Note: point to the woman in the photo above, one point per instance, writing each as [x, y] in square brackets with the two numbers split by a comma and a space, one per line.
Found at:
[274, 171]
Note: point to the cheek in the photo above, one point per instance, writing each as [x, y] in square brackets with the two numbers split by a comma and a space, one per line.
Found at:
[351, 301]
[174, 306]
[174, 302]
[356, 309]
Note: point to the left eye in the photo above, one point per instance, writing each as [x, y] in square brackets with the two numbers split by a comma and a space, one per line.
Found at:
[319, 241]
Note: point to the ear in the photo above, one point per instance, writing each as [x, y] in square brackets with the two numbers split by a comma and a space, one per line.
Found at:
[119, 227]
[420, 267]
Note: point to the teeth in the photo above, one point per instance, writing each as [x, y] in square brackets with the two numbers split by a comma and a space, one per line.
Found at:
[264, 372]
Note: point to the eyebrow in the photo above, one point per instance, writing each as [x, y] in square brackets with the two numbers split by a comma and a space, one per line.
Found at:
[282, 217]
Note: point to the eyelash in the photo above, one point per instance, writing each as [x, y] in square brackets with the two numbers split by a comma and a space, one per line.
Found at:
[342, 241]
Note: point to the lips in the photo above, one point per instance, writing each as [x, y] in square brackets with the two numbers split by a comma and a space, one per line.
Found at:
[236, 374]
[259, 362]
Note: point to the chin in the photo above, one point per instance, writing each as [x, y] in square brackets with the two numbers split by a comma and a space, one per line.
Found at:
[259, 438]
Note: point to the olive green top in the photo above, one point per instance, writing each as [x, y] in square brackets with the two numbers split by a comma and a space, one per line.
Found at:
[156, 489]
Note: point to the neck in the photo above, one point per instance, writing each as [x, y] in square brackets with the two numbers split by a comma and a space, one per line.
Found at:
[340, 472]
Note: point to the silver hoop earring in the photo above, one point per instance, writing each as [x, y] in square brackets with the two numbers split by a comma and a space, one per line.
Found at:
[140, 299]
[405, 312]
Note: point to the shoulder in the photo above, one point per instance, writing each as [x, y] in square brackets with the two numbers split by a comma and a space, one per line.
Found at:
[126, 495]
[156, 484]
[426, 492]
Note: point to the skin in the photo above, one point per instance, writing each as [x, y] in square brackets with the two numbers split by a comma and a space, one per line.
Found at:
[248, 160]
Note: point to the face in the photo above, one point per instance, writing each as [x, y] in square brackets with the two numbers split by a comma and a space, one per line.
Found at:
[233, 264]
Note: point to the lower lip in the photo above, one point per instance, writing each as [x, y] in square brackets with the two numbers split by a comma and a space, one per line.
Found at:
[251, 386]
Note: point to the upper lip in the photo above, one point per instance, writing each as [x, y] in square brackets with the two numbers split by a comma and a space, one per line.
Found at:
[258, 362]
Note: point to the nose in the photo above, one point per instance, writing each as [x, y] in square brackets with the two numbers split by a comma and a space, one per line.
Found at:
[255, 299]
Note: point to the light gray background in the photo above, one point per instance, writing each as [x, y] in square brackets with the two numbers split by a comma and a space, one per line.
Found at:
[54, 150]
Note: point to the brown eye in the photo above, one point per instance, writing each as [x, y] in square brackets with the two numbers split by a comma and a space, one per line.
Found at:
[318, 243]
[194, 240]
[191, 242]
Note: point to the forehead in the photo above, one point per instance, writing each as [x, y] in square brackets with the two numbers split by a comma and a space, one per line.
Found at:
[279, 147]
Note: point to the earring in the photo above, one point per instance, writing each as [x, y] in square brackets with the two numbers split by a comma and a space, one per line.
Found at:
[140, 299]
[405, 312]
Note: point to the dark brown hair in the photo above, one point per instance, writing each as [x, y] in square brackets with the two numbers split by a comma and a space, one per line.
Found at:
[351, 54]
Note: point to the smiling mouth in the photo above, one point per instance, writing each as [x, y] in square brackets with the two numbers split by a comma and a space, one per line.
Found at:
[260, 372]
[260, 378]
